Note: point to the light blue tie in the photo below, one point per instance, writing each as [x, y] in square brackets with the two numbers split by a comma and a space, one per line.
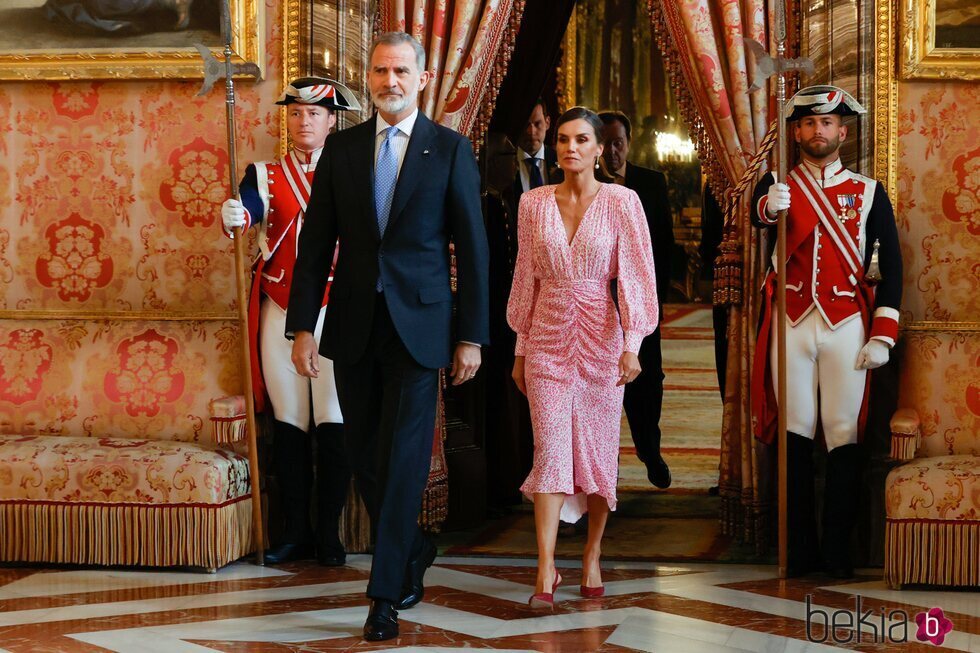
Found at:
[385, 178]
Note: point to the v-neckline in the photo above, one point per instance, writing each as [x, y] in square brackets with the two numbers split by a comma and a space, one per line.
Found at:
[554, 197]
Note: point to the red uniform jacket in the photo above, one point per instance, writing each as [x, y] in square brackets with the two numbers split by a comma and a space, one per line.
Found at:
[818, 275]
[275, 194]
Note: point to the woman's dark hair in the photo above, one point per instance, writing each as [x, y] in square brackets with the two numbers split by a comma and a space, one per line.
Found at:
[586, 114]
[591, 117]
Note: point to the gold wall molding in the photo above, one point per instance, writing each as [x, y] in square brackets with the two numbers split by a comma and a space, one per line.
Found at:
[247, 44]
[885, 99]
[291, 18]
[921, 59]
[158, 316]
[568, 82]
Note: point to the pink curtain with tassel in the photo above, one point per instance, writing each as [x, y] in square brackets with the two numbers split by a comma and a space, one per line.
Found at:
[703, 49]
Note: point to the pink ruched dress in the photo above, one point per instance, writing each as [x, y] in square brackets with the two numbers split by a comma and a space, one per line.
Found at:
[572, 335]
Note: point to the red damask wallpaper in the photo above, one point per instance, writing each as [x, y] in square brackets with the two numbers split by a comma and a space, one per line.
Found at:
[939, 225]
[109, 202]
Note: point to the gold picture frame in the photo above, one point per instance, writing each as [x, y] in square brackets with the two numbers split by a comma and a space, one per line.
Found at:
[140, 56]
[921, 58]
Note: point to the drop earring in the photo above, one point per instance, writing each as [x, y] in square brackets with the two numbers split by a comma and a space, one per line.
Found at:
[597, 163]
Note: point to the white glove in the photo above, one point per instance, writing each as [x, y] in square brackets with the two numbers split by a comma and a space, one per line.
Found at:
[232, 214]
[873, 355]
[778, 199]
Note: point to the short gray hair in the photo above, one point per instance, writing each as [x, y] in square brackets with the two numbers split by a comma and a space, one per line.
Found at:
[400, 38]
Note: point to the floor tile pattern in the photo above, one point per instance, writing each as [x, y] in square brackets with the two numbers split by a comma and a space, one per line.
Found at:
[470, 603]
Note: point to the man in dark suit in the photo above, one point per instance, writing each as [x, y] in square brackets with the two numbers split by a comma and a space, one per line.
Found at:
[537, 164]
[395, 190]
[644, 396]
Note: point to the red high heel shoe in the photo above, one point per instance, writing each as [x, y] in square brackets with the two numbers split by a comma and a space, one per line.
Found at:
[592, 592]
[545, 599]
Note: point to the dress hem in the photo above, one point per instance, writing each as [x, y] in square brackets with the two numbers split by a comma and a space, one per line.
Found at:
[575, 504]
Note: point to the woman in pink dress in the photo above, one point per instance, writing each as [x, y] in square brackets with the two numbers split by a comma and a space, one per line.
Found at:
[575, 351]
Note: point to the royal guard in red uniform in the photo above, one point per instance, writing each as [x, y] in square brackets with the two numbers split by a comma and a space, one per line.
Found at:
[273, 196]
[843, 289]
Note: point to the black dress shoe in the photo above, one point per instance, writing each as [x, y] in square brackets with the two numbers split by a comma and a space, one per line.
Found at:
[657, 472]
[288, 552]
[382, 621]
[414, 590]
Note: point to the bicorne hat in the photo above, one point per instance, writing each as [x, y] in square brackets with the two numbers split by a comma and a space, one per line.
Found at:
[822, 101]
[320, 91]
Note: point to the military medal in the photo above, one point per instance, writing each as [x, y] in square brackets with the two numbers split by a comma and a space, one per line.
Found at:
[846, 203]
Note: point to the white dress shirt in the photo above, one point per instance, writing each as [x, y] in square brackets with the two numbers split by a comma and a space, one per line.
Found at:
[399, 141]
[522, 167]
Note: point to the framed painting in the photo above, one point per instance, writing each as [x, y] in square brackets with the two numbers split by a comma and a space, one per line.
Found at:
[940, 39]
[122, 39]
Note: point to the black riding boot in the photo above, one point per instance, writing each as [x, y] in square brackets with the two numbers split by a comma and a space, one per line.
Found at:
[804, 556]
[294, 473]
[332, 481]
[840, 508]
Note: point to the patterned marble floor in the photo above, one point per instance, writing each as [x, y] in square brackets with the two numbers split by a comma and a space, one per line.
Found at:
[470, 603]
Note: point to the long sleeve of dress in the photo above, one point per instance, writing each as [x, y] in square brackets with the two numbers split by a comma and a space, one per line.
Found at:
[524, 288]
[637, 279]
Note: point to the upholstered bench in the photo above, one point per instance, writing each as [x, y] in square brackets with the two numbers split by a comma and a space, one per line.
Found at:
[116, 501]
[932, 512]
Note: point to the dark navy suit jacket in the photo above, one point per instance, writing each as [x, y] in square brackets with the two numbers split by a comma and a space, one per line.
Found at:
[437, 199]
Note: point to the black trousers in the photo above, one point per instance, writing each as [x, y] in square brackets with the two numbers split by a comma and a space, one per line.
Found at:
[389, 406]
[644, 398]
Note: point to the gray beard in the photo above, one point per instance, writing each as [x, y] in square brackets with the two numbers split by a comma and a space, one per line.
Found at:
[393, 105]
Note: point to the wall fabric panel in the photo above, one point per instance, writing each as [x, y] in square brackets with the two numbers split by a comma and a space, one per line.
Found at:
[112, 193]
[939, 199]
[115, 277]
[938, 215]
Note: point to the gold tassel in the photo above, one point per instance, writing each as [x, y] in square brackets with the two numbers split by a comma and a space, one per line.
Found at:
[728, 272]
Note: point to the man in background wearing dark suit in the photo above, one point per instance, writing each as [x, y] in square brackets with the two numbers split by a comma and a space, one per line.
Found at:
[644, 396]
[536, 162]
[394, 190]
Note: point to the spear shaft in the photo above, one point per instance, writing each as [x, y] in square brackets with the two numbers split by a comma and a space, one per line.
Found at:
[780, 16]
[242, 287]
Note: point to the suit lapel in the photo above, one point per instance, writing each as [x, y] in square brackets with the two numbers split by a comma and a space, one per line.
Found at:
[361, 158]
[421, 148]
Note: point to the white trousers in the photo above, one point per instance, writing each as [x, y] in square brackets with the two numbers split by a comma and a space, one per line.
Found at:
[290, 392]
[820, 371]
